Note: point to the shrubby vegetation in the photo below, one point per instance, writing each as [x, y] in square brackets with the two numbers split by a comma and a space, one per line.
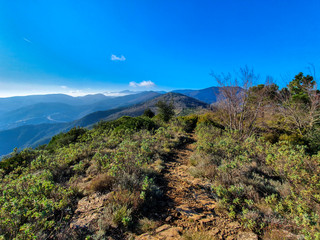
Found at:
[148, 113]
[264, 165]
[40, 189]
[259, 148]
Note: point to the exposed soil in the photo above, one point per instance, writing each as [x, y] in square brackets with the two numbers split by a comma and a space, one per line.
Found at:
[189, 206]
[186, 210]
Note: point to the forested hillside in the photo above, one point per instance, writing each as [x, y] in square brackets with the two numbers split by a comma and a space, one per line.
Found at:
[35, 135]
[59, 108]
[207, 95]
[249, 168]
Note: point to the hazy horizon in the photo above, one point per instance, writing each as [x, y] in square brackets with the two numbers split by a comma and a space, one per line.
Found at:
[216, 136]
[119, 93]
[80, 47]
[44, 90]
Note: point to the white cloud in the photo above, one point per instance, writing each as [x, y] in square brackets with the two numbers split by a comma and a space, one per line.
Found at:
[133, 84]
[27, 40]
[114, 94]
[142, 84]
[116, 58]
[64, 87]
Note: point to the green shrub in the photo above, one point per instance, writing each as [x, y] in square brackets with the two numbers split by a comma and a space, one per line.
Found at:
[312, 138]
[40, 189]
[18, 159]
[148, 113]
[127, 123]
[33, 205]
[188, 123]
[260, 183]
[64, 139]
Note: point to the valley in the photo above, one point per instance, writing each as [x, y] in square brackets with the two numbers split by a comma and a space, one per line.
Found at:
[38, 130]
[159, 120]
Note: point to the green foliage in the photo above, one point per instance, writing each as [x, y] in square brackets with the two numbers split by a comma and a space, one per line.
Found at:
[17, 159]
[208, 119]
[40, 189]
[32, 204]
[299, 87]
[312, 139]
[126, 123]
[166, 111]
[269, 92]
[249, 177]
[188, 123]
[265, 180]
[64, 139]
[148, 113]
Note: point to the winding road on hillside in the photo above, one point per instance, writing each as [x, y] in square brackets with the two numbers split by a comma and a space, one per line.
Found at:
[190, 207]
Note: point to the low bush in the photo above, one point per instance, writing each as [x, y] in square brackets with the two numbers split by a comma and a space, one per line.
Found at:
[259, 183]
[18, 160]
[147, 225]
[64, 139]
[101, 183]
[127, 123]
[188, 123]
[40, 189]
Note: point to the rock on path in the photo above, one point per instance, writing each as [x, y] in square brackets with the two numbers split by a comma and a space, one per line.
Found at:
[193, 207]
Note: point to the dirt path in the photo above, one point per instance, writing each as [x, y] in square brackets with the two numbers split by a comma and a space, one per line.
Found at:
[191, 207]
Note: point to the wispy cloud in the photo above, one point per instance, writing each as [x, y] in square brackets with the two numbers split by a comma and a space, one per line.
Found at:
[27, 40]
[114, 94]
[64, 87]
[142, 84]
[116, 58]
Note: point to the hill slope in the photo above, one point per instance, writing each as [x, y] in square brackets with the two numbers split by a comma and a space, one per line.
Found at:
[34, 135]
[13, 103]
[70, 110]
[180, 102]
[207, 95]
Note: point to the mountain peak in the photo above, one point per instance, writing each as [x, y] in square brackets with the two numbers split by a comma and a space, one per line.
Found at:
[207, 95]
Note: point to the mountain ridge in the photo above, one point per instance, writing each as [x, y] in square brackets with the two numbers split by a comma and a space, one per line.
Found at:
[34, 135]
[208, 95]
[51, 112]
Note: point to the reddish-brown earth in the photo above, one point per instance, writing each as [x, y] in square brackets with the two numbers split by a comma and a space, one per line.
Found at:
[190, 205]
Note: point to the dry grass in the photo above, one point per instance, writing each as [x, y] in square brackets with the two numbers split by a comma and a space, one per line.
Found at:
[101, 183]
[198, 236]
[147, 225]
[276, 234]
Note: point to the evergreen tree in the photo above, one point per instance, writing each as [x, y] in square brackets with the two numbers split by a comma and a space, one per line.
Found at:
[166, 111]
[300, 86]
[148, 113]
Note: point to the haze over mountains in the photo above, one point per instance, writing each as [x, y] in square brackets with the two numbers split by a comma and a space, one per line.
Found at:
[180, 102]
[60, 108]
[32, 120]
[207, 95]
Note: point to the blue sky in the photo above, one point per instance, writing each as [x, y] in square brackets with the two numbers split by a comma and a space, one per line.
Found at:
[100, 46]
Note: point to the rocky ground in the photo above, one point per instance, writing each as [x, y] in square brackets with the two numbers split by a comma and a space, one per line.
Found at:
[187, 209]
[190, 206]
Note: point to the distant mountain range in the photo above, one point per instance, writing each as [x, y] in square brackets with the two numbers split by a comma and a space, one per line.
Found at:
[34, 135]
[181, 102]
[32, 120]
[207, 95]
[60, 108]
[13, 103]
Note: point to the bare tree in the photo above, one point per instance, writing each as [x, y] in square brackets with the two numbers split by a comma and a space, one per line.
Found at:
[237, 111]
[302, 116]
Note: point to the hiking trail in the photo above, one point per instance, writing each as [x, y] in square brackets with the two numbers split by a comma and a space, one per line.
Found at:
[189, 205]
